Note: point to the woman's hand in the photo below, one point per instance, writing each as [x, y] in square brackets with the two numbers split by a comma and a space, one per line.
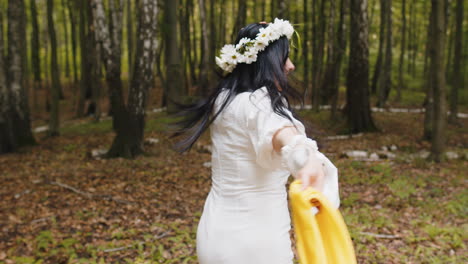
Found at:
[312, 173]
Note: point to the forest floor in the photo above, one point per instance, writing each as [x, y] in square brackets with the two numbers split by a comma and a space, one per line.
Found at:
[58, 204]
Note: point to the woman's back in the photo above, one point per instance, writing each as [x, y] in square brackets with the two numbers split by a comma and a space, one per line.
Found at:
[246, 217]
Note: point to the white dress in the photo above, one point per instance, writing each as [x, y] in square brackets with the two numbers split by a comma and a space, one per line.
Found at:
[246, 219]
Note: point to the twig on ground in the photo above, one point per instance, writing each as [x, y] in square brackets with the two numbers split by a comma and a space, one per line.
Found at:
[90, 195]
[43, 219]
[379, 235]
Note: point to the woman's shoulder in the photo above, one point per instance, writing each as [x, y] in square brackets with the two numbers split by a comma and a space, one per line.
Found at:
[254, 100]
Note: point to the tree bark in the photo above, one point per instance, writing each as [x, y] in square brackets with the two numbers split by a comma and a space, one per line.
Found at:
[205, 60]
[318, 30]
[340, 51]
[85, 82]
[175, 87]
[128, 121]
[7, 138]
[65, 33]
[19, 115]
[35, 47]
[357, 108]
[327, 83]
[54, 122]
[457, 83]
[130, 39]
[438, 79]
[240, 18]
[378, 63]
[402, 50]
[429, 99]
[305, 49]
[73, 21]
[385, 78]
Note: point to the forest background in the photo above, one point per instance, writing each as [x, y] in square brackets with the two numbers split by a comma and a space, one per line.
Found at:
[87, 88]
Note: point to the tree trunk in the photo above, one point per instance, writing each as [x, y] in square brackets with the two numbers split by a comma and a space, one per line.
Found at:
[71, 12]
[429, 100]
[357, 100]
[385, 78]
[54, 122]
[318, 29]
[92, 64]
[65, 32]
[110, 40]
[205, 60]
[175, 87]
[35, 59]
[378, 63]
[457, 83]
[85, 86]
[438, 79]
[7, 138]
[402, 50]
[240, 18]
[283, 9]
[305, 49]
[328, 76]
[19, 116]
[130, 38]
[143, 71]
[340, 51]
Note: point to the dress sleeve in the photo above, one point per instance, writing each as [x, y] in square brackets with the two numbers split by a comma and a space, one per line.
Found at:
[261, 124]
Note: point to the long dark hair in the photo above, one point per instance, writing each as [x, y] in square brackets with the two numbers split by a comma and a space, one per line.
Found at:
[267, 71]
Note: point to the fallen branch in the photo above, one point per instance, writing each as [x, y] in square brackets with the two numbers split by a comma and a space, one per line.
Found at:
[379, 235]
[90, 195]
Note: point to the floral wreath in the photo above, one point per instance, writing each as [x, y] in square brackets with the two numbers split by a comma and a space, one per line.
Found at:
[246, 50]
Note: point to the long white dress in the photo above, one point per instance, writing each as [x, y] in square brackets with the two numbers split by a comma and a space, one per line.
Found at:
[246, 218]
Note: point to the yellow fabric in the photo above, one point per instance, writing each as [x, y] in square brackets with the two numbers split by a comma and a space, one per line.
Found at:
[322, 238]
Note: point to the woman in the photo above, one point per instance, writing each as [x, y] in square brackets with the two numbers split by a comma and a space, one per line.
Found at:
[257, 144]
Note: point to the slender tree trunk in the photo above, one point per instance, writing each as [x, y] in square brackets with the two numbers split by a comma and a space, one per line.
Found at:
[35, 48]
[73, 21]
[317, 52]
[378, 64]
[20, 121]
[54, 122]
[175, 86]
[65, 32]
[385, 78]
[263, 4]
[357, 100]
[283, 8]
[84, 60]
[457, 83]
[92, 66]
[438, 79]
[410, 35]
[402, 50]
[205, 60]
[241, 17]
[340, 51]
[429, 100]
[330, 64]
[305, 48]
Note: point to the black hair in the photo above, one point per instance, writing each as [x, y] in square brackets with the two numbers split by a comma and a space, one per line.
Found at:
[268, 71]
